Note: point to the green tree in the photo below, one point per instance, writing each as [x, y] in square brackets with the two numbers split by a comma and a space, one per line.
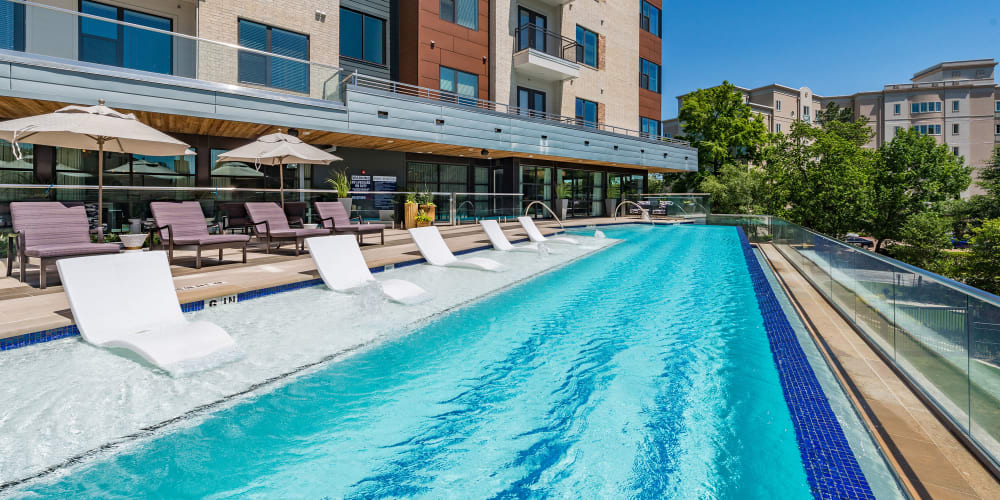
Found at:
[984, 258]
[735, 189]
[913, 172]
[925, 234]
[819, 176]
[723, 128]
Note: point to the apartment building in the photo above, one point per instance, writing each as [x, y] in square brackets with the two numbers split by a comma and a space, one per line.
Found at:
[956, 102]
[442, 95]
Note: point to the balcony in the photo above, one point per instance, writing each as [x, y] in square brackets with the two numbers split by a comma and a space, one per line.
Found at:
[542, 54]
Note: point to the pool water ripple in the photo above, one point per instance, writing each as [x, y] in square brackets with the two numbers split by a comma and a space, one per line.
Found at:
[641, 371]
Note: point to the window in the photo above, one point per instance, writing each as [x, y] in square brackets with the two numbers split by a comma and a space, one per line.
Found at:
[925, 107]
[459, 82]
[362, 36]
[777, 127]
[778, 106]
[649, 18]
[649, 126]
[805, 113]
[928, 129]
[954, 106]
[896, 109]
[586, 112]
[980, 73]
[531, 32]
[649, 76]
[113, 44]
[954, 129]
[270, 71]
[997, 107]
[954, 151]
[586, 50]
[12, 26]
[461, 12]
[956, 74]
[14, 171]
[998, 129]
[531, 102]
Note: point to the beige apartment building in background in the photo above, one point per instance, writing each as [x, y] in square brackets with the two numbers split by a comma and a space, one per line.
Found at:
[956, 102]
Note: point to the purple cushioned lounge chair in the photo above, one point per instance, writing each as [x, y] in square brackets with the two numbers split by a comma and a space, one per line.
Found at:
[271, 224]
[50, 231]
[182, 227]
[333, 216]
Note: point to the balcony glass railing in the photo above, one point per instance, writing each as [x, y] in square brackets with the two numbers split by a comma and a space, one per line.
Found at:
[942, 334]
[530, 36]
[370, 82]
[96, 42]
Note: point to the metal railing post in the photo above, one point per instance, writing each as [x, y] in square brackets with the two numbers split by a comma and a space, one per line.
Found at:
[452, 210]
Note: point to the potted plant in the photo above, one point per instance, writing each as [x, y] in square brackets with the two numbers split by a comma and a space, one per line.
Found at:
[340, 183]
[423, 220]
[426, 201]
[410, 209]
[563, 193]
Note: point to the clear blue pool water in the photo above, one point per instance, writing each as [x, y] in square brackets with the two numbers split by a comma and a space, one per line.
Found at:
[640, 371]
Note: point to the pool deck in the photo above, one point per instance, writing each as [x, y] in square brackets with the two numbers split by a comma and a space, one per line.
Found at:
[24, 308]
[931, 460]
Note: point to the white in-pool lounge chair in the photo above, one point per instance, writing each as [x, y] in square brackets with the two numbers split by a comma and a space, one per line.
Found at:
[436, 252]
[536, 236]
[128, 301]
[500, 241]
[343, 269]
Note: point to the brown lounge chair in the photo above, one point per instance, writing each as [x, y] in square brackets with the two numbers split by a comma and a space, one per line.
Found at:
[333, 216]
[269, 221]
[295, 212]
[50, 231]
[181, 226]
[235, 217]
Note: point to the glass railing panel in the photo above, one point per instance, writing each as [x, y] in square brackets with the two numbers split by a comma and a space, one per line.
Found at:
[984, 373]
[874, 286]
[148, 50]
[843, 278]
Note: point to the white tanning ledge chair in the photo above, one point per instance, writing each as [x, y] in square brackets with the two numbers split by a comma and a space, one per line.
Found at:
[436, 252]
[500, 241]
[128, 301]
[343, 269]
[536, 236]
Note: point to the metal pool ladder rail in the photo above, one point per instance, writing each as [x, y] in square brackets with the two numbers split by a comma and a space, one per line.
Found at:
[643, 211]
[554, 216]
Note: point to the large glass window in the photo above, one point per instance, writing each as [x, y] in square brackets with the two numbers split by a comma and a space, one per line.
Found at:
[113, 44]
[586, 191]
[14, 171]
[649, 126]
[649, 75]
[531, 102]
[459, 82]
[586, 112]
[531, 30]
[649, 18]
[362, 36]
[536, 185]
[461, 12]
[586, 49]
[270, 71]
[11, 26]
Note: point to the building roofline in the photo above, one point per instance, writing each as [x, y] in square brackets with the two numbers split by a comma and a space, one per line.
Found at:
[954, 64]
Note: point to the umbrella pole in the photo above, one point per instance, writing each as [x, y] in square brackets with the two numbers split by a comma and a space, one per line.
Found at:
[281, 179]
[100, 189]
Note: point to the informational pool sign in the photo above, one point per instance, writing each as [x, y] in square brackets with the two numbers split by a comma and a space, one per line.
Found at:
[361, 183]
[383, 183]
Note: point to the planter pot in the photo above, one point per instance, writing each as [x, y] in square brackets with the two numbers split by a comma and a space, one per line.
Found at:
[133, 242]
[561, 207]
[423, 223]
[609, 206]
[347, 205]
[429, 210]
[410, 215]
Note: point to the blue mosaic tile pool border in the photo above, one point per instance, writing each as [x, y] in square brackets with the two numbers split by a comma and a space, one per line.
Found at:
[831, 467]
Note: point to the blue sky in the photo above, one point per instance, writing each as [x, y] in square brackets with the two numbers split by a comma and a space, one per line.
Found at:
[831, 47]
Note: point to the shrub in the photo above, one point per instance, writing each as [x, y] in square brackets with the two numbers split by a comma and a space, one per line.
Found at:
[925, 234]
[983, 267]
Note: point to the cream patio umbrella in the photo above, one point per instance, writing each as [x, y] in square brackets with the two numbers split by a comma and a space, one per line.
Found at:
[92, 127]
[279, 149]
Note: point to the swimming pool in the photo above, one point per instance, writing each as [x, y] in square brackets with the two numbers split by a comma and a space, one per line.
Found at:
[643, 369]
